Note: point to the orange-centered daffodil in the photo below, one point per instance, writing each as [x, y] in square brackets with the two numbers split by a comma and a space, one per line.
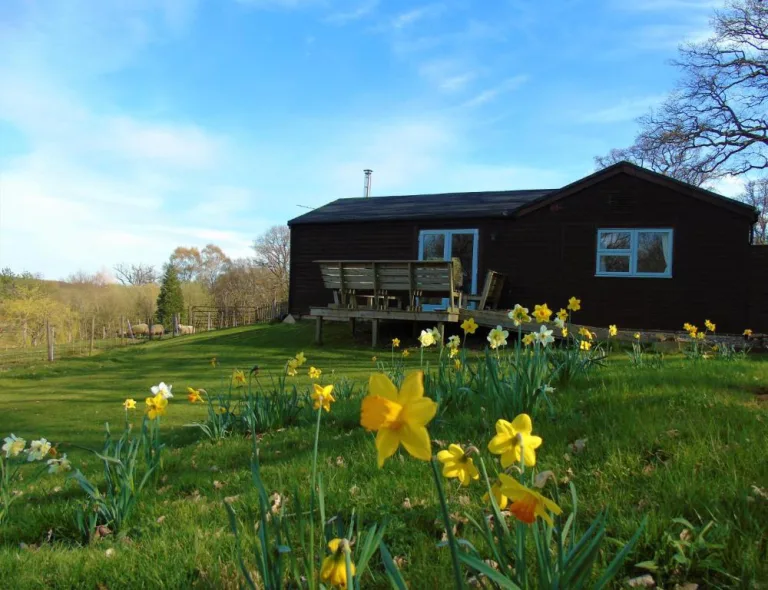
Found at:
[527, 504]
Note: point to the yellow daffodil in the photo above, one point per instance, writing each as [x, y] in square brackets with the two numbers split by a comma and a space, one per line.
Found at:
[323, 397]
[399, 417]
[129, 404]
[747, 332]
[334, 568]
[586, 333]
[427, 338]
[291, 367]
[528, 339]
[457, 364]
[526, 503]
[709, 325]
[519, 314]
[700, 336]
[194, 396]
[156, 406]
[574, 304]
[13, 446]
[456, 463]
[454, 352]
[501, 499]
[454, 342]
[238, 378]
[395, 342]
[564, 332]
[406, 352]
[542, 313]
[314, 373]
[214, 362]
[374, 359]
[585, 345]
[497, 337]
[300, 359]
[514, 439]
[612, 330]
[562, 315]
[636, 335]
[469, 326]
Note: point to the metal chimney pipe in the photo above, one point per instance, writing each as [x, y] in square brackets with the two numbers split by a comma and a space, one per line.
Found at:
[367, 183]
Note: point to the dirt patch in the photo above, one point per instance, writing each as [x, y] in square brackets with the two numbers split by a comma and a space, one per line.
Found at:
[761, 395]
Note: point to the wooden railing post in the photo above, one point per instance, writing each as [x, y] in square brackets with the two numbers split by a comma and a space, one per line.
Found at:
[49, 336]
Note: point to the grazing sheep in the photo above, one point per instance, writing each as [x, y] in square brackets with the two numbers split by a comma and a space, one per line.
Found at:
[158, 330]
[186, 329]
[140, 330]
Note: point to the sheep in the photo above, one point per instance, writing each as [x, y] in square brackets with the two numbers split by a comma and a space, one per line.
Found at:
[158, 330]
[140, 329]
[186, 329]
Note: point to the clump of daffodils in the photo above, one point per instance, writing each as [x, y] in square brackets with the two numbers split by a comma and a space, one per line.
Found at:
[293, 364]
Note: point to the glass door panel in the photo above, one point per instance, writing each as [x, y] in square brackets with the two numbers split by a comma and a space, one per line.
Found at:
[451, 244]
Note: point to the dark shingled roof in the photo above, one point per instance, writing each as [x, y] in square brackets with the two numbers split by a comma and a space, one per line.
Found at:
[436, 206]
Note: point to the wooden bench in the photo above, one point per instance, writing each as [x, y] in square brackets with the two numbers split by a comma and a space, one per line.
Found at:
[383, 282]
[491, 294]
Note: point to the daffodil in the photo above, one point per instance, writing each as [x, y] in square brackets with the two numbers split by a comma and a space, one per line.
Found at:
[543, 336]
[574, 304]
[156, 406]
[406, 353]
[426, 338]
[395, 342]
[129, 404]
[314, 373]
[323, 397]
[747, 332]
[59, 465]
[162, 389]
[334, 568]
[519, 314]
[585, 345]
[456, 463]
[469, 326]
[562, 314]
[374, 359]
[612, 330]
[559, 323]
[497, 337]
[300, 359]
[700, 336]
[214, 362]
[38, 449]
[399, 417]
[542, 313]
[194, 396]
[586, 333]
[526, 503]
[238, 378]
[454, 342]
[457, 364]
[501, 499]
[437, 335]
[564, 332]
[454, 352]
[515, 439]
[528, 339]
[291, 367]
[709, 325]
[636, 335]
[13, 446]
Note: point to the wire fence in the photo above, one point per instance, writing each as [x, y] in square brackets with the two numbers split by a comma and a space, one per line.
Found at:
[20, 344]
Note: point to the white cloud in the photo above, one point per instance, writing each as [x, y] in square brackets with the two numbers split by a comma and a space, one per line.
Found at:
[449, 75]
[624, 110]
[411, 17]
[666, 5]
[728, 186]
[353, 14]
[493, 93]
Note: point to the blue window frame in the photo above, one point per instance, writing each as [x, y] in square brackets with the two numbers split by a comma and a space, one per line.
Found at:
[637, 252]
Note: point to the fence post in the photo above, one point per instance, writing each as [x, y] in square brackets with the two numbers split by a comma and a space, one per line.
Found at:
[149, 323]
[176, 324]
[130, 330]
[49, 336]
[122, 331]
[209, 321]
[93, 327]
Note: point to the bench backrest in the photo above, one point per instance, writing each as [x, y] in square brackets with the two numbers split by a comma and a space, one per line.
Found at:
[426, 276]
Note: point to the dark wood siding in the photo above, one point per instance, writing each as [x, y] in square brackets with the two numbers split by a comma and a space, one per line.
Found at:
[549, 255]
[758, 290]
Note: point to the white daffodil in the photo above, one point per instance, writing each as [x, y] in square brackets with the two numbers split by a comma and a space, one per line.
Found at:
[162, 388]
[560, 323]
[454, 342]
[427, 338]
[59, 465]
[497, 337]
[13, 446]
[437, 335]
[38, 449]
[543, 336]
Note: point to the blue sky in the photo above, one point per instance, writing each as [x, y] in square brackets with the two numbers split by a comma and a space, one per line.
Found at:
[128, 127]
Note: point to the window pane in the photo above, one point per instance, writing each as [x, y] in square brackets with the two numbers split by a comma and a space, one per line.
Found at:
[461, 248]
[614, 263]
[434, 247]
[653, 252]
[615, 240]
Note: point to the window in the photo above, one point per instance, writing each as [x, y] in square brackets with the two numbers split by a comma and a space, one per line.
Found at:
[634, 253]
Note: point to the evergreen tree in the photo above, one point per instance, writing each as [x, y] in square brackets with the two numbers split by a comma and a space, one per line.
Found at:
[170, 300]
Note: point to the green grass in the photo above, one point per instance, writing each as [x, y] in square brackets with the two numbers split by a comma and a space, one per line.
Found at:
[688, 440]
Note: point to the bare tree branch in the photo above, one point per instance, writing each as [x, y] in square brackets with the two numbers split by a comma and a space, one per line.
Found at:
[135, 274]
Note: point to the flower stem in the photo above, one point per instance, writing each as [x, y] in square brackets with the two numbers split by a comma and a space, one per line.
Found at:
[449, 530]
[312, 492]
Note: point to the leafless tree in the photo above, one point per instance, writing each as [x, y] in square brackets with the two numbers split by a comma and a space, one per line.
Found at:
[660, 158]
[273, 251]
[135, 274]
[188, 263]
[213, 263]
[715, 123]
[81, 277]
[756, 194]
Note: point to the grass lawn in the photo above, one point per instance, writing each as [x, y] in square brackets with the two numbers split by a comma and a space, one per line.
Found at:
[689, 440]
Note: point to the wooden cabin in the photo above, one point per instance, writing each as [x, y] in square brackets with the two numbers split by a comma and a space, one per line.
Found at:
[640, 249]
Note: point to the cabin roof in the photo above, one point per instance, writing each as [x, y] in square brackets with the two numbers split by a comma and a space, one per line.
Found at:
[489, 204]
